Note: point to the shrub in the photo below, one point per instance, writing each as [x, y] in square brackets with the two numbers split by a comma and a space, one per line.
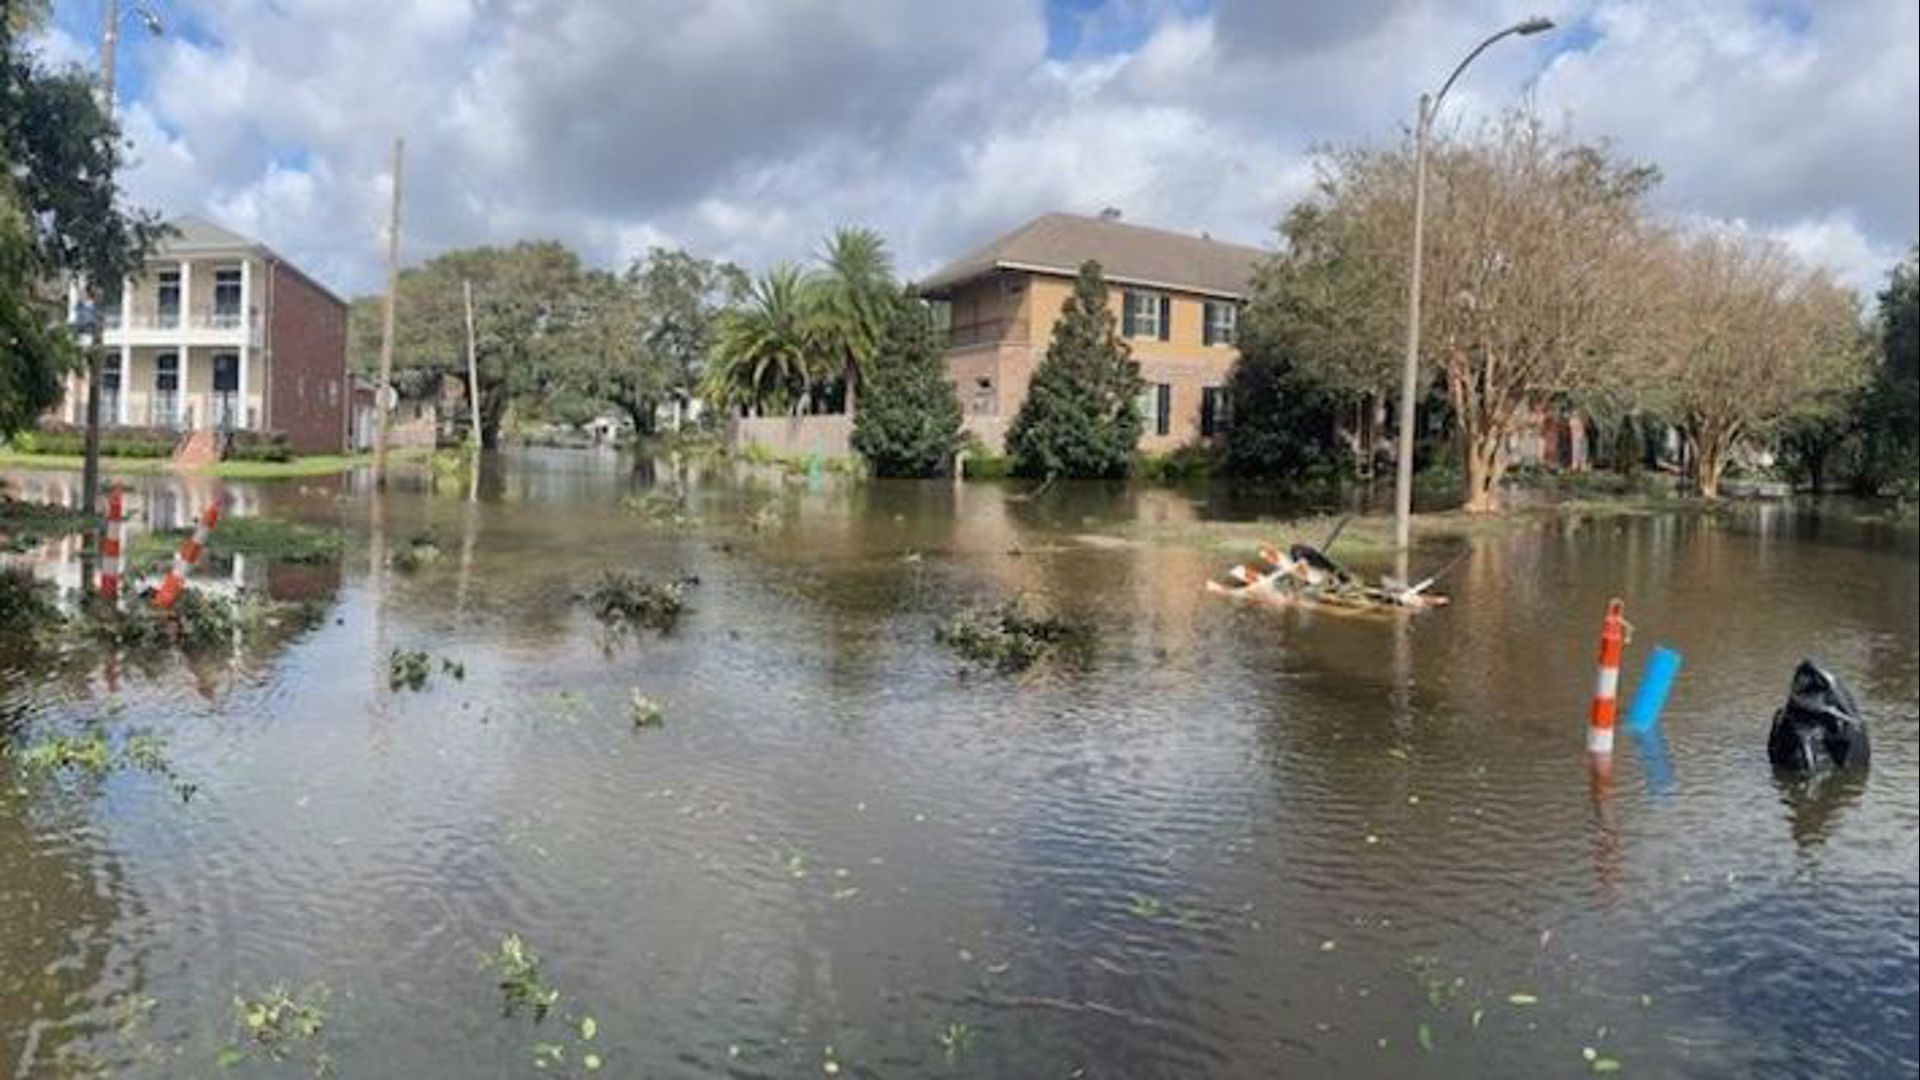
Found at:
[258, 446]
[123, 442]
[1191, 462]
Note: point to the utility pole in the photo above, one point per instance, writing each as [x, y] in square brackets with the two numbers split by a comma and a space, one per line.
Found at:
[473, 393]
[97, 346]
[383, 396]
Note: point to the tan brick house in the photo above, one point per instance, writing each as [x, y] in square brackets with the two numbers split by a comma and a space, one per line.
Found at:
[1177, 299]
[221, 334]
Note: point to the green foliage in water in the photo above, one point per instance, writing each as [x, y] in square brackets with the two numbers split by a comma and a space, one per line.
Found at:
[93, 756]
[1081, 417]
[955, 1040]
[26, 603]
[25, 525]
[664, 507]
[408, 668]
[908, 420]
[517, 968]
[265, 538]
[419, 550]
[1010, 637]
[623, 602]
[279, 1025]
[644, 711]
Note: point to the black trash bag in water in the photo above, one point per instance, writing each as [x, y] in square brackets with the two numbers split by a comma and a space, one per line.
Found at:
[1820, 725]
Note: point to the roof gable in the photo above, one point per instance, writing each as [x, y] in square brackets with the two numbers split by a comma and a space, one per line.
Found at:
[1128, 254]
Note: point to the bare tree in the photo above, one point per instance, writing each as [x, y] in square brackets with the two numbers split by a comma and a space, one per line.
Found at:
[1752, 339]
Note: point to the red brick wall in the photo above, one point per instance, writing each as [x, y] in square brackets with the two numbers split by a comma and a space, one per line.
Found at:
[308, 393]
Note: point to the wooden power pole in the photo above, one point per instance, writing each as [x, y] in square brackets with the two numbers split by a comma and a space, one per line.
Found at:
[384, 394]
[473, 395]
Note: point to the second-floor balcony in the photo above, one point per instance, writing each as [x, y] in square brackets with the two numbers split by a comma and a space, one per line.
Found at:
[226, 323]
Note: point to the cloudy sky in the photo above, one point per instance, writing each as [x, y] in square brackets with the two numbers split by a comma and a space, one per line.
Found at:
[748, 128]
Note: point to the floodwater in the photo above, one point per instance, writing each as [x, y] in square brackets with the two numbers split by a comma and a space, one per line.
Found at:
[1235, 843]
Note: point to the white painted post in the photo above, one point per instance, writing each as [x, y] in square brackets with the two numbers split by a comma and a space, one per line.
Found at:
[186, 396]
[246, 337]
[126, 348]
[123, 404]
[186, 297]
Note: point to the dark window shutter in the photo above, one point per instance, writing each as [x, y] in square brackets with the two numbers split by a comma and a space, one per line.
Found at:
[1163, 413]
[1166, 321]
[1207, 397]
[1206, 323]
[1126, 314]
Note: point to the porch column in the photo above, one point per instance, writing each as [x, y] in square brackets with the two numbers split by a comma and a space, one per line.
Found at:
[246, 338]
[187, 420]
[123, 400]
[186, 297]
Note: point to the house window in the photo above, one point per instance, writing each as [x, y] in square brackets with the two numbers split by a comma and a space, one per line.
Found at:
[1156, 408]
[1145, 314]
[167, 313]
[1223, 321]
[1216, 411]
[226, 298]
[226, 391]
[166, 390]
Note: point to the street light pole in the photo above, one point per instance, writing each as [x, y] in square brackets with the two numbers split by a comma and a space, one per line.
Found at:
[1410, 374]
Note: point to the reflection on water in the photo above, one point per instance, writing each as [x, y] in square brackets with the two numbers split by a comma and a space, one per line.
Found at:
[1243, 843]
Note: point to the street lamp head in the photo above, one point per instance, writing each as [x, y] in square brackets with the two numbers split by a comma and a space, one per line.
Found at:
[1535, 25]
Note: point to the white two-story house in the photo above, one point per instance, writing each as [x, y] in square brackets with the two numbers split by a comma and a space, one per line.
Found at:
[221, 334]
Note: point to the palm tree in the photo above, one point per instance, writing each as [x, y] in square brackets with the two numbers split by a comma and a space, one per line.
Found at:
[762, 352]
[852, 292]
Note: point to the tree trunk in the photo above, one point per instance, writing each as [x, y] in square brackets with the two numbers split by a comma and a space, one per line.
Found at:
[1485, 465]
[1707, 469]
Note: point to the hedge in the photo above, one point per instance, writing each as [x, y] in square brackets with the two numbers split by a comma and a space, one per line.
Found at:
[258, 446]
[122, 442]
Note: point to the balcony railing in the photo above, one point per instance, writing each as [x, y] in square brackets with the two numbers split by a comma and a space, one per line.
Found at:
[206, 319]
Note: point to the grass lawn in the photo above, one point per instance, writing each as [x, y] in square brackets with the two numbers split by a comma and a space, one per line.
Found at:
[311, 465]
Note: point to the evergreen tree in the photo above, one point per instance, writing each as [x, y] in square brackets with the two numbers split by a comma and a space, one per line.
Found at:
[908, 424]
[1081, 417]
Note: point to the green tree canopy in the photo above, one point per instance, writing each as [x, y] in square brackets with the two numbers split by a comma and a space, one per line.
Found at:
[527, 309]
[909, 419]
[60, 217]
[1081, 417]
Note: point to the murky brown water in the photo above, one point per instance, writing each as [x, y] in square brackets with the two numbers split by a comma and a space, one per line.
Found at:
[1239, 843]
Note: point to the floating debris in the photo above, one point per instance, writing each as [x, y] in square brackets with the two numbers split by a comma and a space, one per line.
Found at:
[1010, 637]
[624, 601]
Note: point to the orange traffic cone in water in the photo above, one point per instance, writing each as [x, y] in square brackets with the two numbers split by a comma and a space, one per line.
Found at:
[1613, 642]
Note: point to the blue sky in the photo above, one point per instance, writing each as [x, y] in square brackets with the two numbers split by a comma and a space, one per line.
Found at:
[749, 129]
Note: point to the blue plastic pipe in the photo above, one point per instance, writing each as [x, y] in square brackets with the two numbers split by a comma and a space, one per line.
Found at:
[1654, 763]
[1663, 664]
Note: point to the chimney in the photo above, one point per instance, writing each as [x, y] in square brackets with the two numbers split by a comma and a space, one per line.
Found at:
[1111, 213]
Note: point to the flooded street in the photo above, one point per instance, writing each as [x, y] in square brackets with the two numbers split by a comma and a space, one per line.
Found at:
[1235, 843]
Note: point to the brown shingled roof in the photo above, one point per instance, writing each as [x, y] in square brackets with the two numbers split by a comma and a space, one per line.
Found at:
[1128, 254]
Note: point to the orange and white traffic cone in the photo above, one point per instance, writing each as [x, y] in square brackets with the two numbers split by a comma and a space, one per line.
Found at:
[1613, 642]
[113, 548]
[188, 555]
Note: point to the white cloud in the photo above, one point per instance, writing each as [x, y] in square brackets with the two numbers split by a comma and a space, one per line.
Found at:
[748, 128]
